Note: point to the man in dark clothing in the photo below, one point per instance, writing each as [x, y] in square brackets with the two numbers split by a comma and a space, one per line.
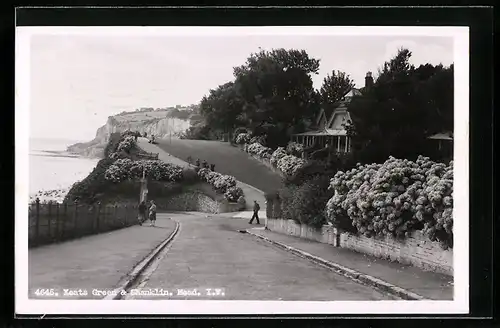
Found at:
[256, 208]
[198, 162]
[205, 164]
[142, 212]
[212, 167]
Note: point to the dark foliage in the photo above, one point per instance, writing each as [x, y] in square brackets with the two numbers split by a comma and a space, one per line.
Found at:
[305, 204]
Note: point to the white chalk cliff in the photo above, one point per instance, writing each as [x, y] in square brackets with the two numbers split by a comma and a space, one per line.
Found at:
[156, 123]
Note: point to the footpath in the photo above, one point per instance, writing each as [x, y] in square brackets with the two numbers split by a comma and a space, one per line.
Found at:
[406, 281]
[97, 261]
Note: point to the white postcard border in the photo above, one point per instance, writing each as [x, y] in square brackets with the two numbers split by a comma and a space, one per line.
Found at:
[459, 305]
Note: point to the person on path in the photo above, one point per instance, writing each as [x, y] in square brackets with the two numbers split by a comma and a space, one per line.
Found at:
[152, 214]
[205, 164]
[142, 212]
[198, 162]
[256, 208]
[212, 167]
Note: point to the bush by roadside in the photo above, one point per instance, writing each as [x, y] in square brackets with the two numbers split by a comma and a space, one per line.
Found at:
[396, 198]
[305, 204]
[224, 184]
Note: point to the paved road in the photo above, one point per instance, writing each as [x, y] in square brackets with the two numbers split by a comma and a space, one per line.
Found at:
[227, 159]
[211, 253]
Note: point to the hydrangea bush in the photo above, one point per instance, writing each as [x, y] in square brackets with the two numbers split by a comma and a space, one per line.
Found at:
[259, 150]
[126, 169]
[396, 198]
[243, 138]
[290, 164]
[278, 154]
[294, 148]
[224, 184]
[233, 194]
[126, 144]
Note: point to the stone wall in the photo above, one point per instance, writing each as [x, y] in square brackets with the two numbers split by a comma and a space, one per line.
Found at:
[416, 250]
[196, 202]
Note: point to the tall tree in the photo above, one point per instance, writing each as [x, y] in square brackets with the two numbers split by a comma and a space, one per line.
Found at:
[335, 86]
[405, 105]
[222, 107]
[278, 92]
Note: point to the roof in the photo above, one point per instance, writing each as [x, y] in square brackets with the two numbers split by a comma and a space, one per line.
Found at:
[442, 136]
[325, 132]
[329, 109]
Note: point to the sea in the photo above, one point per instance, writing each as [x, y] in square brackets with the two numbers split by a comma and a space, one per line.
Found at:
[52, 170]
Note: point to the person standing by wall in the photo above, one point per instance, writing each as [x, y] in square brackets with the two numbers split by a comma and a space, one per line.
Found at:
[256, 208]
[152, 214]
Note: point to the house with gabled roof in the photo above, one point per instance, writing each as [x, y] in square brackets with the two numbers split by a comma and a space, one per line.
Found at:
[330, 131]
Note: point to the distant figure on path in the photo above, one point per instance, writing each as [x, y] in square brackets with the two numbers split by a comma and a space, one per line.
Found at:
[256, 208]
[198, 162]
[152, 214]
[205, 164]
[212, 167]
[142, 212]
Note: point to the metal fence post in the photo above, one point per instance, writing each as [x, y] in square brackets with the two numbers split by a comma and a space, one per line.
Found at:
[50, 219]
[75, 220]
[98, 212]
[37, 218]
[126, 215]
[65, 216]
[57, 222]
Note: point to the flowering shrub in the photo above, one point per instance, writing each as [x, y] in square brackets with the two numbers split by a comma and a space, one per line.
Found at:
[290, 164]
[242, 138]
[278, 154]
[126, 144]
[126, 169]
[259, 150]
[295, 149]
[241, 200]
[225, 184]
[222, 182]
[233, 194]
[396, 198]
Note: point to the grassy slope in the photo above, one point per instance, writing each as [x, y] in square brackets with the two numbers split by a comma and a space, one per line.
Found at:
[227, 159]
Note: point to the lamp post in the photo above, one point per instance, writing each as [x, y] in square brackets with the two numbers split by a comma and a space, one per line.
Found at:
[144, 186]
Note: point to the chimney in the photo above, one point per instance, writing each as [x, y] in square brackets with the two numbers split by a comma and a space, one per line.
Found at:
[368, 80]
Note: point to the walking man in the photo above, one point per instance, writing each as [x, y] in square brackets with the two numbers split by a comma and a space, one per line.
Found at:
[152, 214]
[142, 212]
[256, 208]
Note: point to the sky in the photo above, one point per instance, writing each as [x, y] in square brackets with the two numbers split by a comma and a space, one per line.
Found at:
[80, 80]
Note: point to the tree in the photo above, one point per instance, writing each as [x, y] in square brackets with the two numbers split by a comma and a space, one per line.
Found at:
[335, 86]
[405, 105]
[222, 108]
[278, 94]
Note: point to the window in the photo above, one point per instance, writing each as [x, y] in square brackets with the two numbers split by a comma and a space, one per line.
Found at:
[343, 141]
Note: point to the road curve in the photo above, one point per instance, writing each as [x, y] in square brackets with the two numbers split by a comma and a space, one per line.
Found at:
[210, 253]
